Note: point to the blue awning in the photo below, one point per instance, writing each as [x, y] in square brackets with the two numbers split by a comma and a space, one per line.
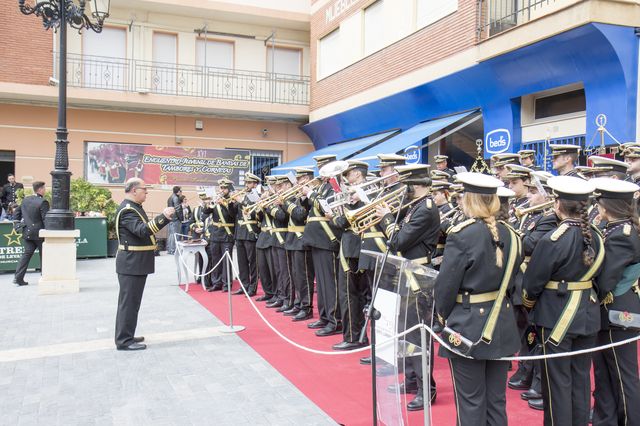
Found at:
[340, 150]
[411, 136]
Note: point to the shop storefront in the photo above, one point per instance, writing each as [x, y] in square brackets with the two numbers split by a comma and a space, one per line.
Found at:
[594, 68]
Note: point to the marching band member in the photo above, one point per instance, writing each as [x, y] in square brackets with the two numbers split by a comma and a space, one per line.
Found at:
[528, 159]
[442, 164]
[415, 238]
[300, 261]
[500, 161]
[517, 176]
[481, 257]
[564, 159]
[247, 231]
[198, 229]
[439, 175]
[221, 227]
[279, 230]
[266, 269]
[558, 287]
[631, 154]
[506, 197]
[324, 240]
[608, 167]
[353, 284]
[440, 191]
[617, 387]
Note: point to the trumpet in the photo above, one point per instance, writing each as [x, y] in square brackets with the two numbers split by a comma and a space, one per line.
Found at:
[451, 212]
[365, 217]
[519, 212]
[295, 189]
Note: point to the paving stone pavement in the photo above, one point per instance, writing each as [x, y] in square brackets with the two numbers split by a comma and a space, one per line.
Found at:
[59, 366]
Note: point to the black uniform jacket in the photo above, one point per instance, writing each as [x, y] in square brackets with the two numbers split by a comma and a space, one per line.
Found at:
[622, 249]
[417, 235]
[223, 222]
[280, 222]
[374, 238]
[351, 242]
[558, 257]
[298, 211]
[174, 201]
[9, 193]
[469, 269]
[247, 228]
[319, 231]
[32, 212]
[265, 239]
[513, 205]
[197, 221]
[136, 241]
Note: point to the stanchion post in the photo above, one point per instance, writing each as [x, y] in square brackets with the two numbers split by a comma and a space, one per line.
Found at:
[426, 380]
[230, 328]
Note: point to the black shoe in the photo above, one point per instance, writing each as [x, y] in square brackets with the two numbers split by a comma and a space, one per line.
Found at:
[329, 330]
[317, 324]
[536, 404]
[292, 312]
[347, 346]
[530, 394]
[214, 288]
[285, 307]
[303, 315]
[251, 293]
[138, 339]
[417, 404]
[365, 360]
[404, 387]
[521, 380]
[225, 288]
[276, 304]
[238, 291]
[263, 298]
[133, 347]
[20, 283]
[198, 281]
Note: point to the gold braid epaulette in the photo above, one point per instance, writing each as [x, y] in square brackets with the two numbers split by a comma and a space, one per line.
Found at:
[460, 226]
[559, 232]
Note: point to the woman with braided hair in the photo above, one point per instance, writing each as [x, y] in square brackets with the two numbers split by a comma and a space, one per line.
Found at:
[617, 387]
[481, 257]
[558, 287]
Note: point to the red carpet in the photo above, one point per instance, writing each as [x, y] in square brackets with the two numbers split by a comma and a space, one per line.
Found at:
[339, 385]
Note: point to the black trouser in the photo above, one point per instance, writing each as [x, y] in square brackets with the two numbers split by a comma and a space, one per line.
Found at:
[525, 368]
[302, 276]
[248, 270]
[281, 266]
[129, 298]
[199, 267]
[615, 371]
[216, 251]
[30, 246]
[419, 310]
[353, 286]
[479, 388]
[266, 271]
[566, 383]
[325, 265]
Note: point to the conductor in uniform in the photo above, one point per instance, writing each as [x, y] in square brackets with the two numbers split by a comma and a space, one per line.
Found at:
[134, 260]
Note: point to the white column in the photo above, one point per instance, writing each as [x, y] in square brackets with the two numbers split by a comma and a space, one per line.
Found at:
[59, 262]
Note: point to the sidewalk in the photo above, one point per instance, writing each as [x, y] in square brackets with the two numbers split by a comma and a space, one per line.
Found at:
[58, 363]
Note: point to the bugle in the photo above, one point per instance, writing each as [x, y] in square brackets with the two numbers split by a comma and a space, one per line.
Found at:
[451, 212]
[519, 212]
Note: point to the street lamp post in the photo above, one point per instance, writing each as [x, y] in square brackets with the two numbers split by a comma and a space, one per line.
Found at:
[57, 14]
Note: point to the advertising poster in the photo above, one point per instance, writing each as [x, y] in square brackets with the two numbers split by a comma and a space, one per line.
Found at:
[114, 163]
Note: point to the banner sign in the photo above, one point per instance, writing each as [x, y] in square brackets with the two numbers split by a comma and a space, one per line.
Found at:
[113, 163]
[11, 248]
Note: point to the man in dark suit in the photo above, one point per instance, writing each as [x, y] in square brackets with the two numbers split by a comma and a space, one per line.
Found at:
[9, 190]
[31, 215]
[176, 222]
[135, 259]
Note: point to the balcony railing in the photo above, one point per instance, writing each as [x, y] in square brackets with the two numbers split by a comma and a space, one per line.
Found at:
[497, 16]
[132, 75]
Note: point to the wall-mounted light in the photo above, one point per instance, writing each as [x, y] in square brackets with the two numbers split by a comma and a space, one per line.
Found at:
[265, 133]
[178, 141]
[199, 125]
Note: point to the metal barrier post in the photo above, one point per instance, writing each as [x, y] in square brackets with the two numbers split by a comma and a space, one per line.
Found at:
[230, 328]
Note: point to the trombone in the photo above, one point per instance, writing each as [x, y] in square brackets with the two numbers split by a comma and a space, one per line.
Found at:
[519, 212]
[451, 212]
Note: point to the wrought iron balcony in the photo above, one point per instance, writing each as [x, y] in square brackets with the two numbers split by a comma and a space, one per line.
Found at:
[132, 75]
[497, 16]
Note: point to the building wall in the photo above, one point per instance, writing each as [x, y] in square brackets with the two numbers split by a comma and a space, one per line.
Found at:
[409, 48]
[30, 132]
[25, 50]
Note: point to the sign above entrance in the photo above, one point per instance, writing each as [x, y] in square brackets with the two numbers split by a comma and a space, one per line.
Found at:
[497, 141]
[114, 163]
[413, 154]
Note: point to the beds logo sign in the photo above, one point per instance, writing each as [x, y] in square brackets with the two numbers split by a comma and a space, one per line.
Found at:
[413, 154]
[497, 141]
